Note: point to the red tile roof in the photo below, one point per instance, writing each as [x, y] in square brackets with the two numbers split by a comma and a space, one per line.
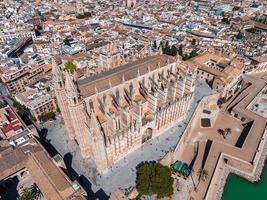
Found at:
[14, 123]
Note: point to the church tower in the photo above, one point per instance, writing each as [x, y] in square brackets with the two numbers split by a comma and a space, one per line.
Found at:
[62, 99]
[78, 115]
[81, 126]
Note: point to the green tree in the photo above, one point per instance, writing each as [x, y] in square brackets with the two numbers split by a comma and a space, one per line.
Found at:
[32, 118]
[70, 66]
[2, 104]
[166, 49]
[174, 50]
[84, 15]
[36, 191]
[161, 44]
[169, 50]
[221, 101]
[193, 41]
[180, 50]
[22, 110]
[51, 115]
[193, 53]
[26, 194]
[47, 116]
[252, 30]
[66, 41]
[154, 178]
[236, 8]
[221, 132]
[155, 46]
[226, 20]
[39, 27]
[58, 109]
[203, 174]
[185, 56]
[227, 131]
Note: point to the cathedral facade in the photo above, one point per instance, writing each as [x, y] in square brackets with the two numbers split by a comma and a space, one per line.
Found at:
[115, 112]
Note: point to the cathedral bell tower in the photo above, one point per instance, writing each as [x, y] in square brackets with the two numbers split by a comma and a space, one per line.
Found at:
[79, 116]
[57, 75]
[71, 89]
[62, 99]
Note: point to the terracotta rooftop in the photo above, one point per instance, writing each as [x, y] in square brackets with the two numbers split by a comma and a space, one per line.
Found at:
[231, 67]
[101, 82]
[46, 166]
[10, 123]
[260, 59]
[11, 161]
[49, 178]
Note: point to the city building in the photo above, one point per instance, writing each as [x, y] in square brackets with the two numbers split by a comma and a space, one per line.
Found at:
[38, 102]
[259, 63]
[113, 113]
[124, 74]
[29, 161]
[10, 124]
[222, 73]
[17, 76]
[24, 33]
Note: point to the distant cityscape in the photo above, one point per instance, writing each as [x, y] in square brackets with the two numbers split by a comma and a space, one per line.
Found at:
[131, 99]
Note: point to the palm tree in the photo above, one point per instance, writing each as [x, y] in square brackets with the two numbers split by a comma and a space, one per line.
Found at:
[31, 193]
[227, 131]
[26, 194]
[203, 174]
[36, 191]
[194, 184]
[221, 132]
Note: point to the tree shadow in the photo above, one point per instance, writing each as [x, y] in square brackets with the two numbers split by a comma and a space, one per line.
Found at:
[43, 133]
[8, 189]
[69, 171]
[25, 118]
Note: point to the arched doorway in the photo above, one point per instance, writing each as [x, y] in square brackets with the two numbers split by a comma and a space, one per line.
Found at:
[147, 135]
[22, 174]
